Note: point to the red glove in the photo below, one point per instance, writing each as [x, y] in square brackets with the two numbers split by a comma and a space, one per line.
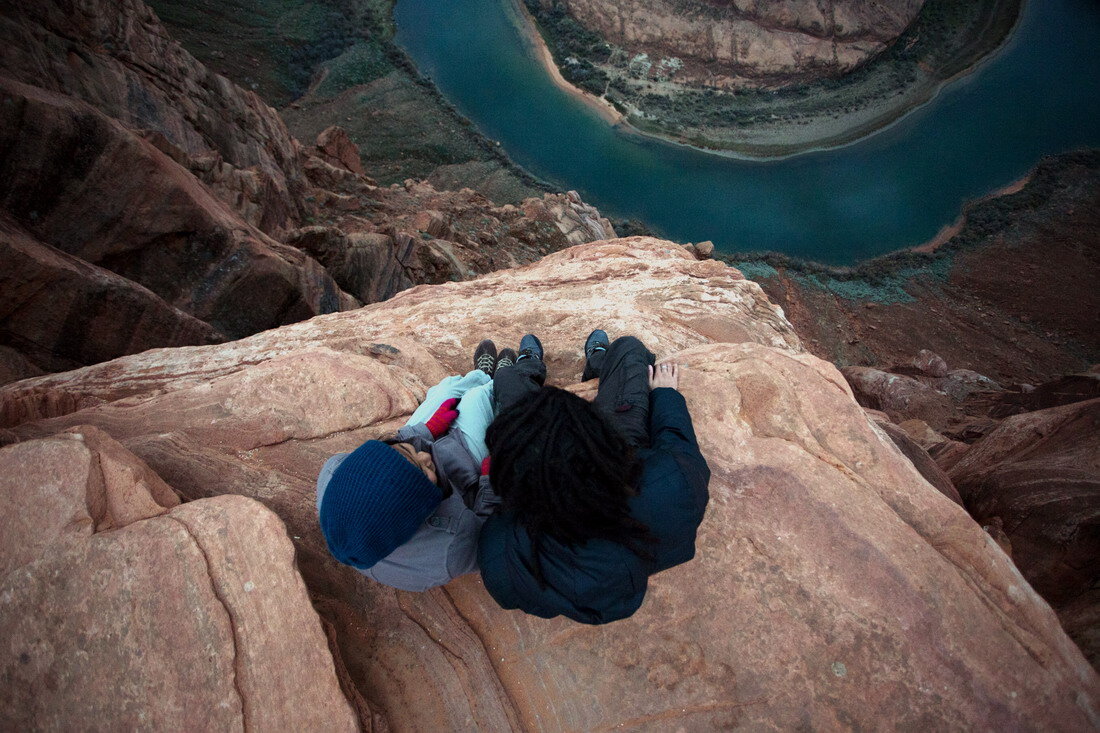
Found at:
[485, 466]
[439, 423]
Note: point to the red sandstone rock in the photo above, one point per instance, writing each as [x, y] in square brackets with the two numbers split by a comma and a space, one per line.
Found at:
[724, 41]
[164, 617]
[87, 186]
[119, 58]
[1040, 473]
[899, 396]
[63, 312]
[336, 148]
[945, 451]
[14, 366]
[919, 457]
[365, 265]
[833, 585]
[1064, 390]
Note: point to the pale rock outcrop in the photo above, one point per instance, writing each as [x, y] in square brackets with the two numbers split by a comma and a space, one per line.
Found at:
[833, 586]
[123, 609]
[925, 363]
[723, 41]
[578, 221]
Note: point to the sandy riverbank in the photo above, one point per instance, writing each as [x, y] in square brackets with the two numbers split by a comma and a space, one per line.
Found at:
[530, 33]
[946, 234]
[769, 140]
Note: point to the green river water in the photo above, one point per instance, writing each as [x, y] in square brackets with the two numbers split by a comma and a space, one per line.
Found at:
[1038, 95]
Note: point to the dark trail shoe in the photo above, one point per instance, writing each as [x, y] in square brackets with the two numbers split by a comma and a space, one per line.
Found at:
[596, 341]
[507, 358]
[530, 346]
[485, 357]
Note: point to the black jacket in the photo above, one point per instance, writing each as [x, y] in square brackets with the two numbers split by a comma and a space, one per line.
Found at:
[602, 581]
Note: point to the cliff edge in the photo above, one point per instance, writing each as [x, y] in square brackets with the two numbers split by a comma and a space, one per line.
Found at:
[833, 586]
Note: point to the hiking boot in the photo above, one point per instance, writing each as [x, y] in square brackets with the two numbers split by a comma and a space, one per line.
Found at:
[530, 346]
[507, 358]
[485, 357]
[596, 341]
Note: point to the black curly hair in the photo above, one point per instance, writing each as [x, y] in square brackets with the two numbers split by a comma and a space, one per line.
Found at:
[565, 472]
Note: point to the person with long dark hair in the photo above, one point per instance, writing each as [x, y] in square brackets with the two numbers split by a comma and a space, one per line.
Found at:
[595, 497]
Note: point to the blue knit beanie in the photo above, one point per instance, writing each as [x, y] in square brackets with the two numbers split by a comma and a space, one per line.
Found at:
[374, 502]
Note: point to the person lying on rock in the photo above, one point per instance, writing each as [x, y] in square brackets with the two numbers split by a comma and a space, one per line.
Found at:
[406, 511]
[595, 497]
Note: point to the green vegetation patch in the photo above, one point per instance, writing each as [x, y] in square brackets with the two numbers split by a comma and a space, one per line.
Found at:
[361, 63]
[882, 280]
[576, 50]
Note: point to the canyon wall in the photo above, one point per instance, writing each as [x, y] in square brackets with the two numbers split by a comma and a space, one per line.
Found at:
[717, 40]
[146, 201]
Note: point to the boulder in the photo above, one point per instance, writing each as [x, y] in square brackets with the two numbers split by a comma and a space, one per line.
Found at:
[336, 148]
[958, 384]
[124, 610]
[833, 585]
[926, 363]
[900, 397]
[1039, 473]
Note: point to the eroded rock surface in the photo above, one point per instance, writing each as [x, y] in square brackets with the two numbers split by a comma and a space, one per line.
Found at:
[120, 149]
[117, 57]
[1039, 475]
[833, 585]
[719, 41]
[62, 312]
[125, 610]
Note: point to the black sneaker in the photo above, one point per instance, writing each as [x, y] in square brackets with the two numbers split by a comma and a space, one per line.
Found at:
[530, 346]
[596, 341]
[507, 358]
[485, 357]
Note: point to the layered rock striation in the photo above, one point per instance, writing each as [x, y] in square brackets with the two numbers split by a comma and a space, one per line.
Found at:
[833, 586]
[146, 201]
[1023, 460]
[720, 41]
